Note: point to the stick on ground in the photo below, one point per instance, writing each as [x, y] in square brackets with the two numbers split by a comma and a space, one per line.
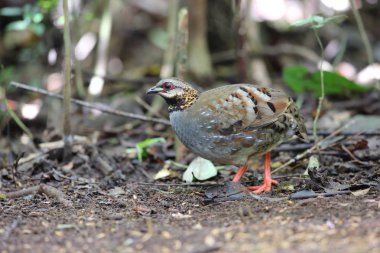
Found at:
[99, 107]
[48, 190]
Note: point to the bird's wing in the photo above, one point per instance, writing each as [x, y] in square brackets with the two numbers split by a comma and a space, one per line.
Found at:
[235, 108]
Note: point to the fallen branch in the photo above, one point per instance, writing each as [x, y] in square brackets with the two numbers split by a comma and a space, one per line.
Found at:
[52, 192]
[102, 108]
[314, 195]
[48, 190]
[77, 140]
[101, 164]
[22, 193]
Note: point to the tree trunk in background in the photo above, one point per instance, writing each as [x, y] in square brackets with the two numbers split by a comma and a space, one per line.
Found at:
[200, 67]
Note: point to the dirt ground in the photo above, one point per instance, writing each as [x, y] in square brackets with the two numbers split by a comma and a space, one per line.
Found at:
[167, 217]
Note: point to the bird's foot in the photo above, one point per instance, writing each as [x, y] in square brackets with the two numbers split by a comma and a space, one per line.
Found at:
[265, 187]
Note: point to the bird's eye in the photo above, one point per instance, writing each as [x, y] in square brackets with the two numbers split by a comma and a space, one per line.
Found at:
[168, 86]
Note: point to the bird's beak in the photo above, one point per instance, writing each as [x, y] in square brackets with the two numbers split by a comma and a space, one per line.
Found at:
[154, 90]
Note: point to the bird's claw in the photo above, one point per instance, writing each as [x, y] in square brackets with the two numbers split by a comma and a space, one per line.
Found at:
[265, 187]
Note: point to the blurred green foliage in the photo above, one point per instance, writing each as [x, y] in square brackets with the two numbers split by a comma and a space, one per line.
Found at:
[32, 18]
[47, 5]
[6, 74]
[299, 80]
[143, 145]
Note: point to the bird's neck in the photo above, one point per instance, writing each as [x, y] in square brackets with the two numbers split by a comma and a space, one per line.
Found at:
[184, 100]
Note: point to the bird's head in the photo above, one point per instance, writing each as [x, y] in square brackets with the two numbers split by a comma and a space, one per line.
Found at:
[178, 94]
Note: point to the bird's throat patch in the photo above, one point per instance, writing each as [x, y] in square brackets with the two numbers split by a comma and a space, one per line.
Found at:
[183, 101]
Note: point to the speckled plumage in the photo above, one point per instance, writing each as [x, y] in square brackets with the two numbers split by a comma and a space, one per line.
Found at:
[233, 123]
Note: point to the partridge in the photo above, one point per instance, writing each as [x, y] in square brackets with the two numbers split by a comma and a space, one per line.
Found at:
[233, 123]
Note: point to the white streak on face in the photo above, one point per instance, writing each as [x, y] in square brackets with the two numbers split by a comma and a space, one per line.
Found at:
[168, 95]
[171, 93]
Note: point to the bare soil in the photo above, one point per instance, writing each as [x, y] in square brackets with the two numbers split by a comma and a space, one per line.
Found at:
[117, 214]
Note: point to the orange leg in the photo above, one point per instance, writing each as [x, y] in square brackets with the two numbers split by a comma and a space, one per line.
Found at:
[268, 181]
[240, 173]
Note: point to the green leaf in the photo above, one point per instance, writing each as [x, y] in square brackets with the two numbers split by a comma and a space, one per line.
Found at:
[294, 77]
[334, 84]
[318, 21]
[199, 169]
[299, 80]
[310, 22]
[141, 146]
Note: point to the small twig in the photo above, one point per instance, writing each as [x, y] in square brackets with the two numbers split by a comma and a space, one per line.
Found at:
[258, 197]
[300, 176]
[322, 96]
[352, 155]
[88, 74]
[364, 36]
[77, 140]
[67, 137]
[350, 134]
[315, 146]
[80, 89]
[149, 108]
[99, 107]
[17, 120]
[15, 166]
[32, 157]
[144, 172]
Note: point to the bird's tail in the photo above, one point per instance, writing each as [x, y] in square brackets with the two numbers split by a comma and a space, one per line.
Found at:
[300, 131]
